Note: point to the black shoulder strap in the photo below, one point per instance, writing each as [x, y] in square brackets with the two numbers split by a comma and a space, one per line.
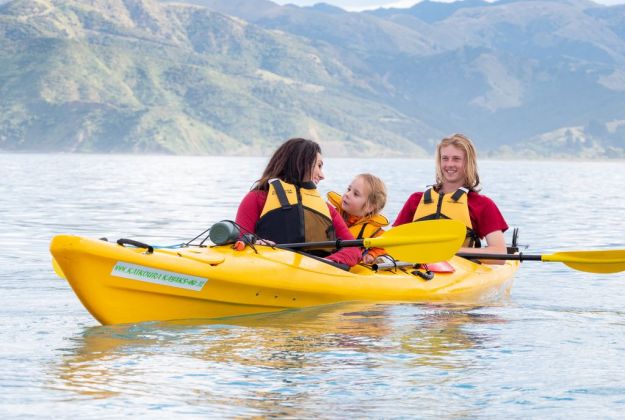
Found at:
[284, 201]
[362, 231]
[427, 196]
[459, 192]
[474, 240]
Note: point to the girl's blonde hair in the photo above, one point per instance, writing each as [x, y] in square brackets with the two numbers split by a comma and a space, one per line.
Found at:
[462, 142]
[377, 192]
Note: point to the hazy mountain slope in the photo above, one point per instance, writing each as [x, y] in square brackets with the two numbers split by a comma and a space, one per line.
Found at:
[139, 76]
[505, 72]
[509, 75]
[237, 76]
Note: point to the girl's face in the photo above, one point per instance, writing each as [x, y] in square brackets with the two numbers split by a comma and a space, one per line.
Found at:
[453, 165]
[316, 173]
[355, 198]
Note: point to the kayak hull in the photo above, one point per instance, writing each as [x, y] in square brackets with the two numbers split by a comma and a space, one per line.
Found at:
[125, 285]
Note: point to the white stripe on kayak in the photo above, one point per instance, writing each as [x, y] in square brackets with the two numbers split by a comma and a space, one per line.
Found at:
[162, 277]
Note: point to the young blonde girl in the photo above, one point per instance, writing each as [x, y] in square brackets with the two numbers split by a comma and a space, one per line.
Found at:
[360, 207]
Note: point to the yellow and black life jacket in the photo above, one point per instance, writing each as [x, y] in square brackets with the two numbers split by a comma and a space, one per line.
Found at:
[447, 206]
[366, 227]
[295, 213]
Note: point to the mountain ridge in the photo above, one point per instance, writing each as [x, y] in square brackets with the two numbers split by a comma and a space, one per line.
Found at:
[225, 77]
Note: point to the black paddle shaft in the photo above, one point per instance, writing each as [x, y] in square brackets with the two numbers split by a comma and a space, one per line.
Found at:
[515, 257]
[337, 244]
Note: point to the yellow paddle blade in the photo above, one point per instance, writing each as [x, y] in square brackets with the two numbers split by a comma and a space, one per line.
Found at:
[608, 261]
[424, 242]
[57, 268]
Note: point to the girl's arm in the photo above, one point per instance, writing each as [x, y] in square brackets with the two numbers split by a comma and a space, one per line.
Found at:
[350, 255]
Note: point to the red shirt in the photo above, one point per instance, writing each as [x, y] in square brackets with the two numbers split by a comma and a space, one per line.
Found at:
[252, 206]
[484, 214]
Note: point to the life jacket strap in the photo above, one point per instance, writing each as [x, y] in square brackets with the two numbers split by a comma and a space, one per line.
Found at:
[427, 196]
[284, 201]
[474, 240]
[459, 192]
[362, 231]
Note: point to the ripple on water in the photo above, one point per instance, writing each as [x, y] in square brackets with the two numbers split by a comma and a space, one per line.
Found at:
[552, 348]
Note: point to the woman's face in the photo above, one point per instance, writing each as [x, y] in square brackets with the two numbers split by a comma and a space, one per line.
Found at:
[453, 165]
[354, 200]
[316, 174]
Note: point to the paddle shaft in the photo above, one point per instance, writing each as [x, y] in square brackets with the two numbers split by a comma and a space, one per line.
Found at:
[513, 257]
[339, 243]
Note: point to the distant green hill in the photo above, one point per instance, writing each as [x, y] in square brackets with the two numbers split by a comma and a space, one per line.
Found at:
[137, 76]
[240, 76]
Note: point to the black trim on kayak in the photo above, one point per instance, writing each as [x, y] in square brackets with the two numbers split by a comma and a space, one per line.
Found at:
[426, 275]
[132, 242]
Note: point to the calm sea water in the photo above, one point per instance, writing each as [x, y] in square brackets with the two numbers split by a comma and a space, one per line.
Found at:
[554, 349]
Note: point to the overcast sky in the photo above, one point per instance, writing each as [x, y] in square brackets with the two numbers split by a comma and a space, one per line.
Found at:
[374, 4]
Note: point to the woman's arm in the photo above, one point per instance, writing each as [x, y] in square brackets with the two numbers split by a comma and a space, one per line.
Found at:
[350, 255]
[249, 210]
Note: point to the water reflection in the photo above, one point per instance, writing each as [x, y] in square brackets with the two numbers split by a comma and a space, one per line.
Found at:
[441, 333]
[554, 349]
[253, 362]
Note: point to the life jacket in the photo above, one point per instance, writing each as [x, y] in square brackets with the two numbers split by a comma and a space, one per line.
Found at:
[448, 206]
[295, 213]
[365, 227]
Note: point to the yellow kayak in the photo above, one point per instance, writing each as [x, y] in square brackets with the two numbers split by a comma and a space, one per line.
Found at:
[119, 284]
